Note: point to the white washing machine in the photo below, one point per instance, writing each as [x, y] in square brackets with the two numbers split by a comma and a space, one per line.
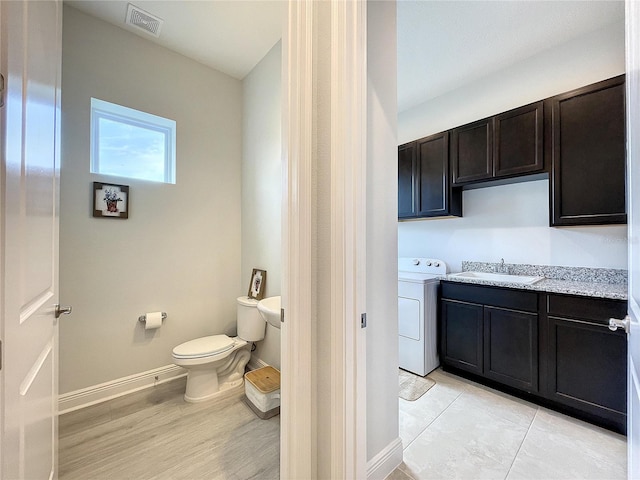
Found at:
[418, 280]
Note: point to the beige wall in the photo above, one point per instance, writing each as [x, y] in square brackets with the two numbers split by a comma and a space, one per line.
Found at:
[262, 184]
[512, 221]
[382, 241]
[179, 251]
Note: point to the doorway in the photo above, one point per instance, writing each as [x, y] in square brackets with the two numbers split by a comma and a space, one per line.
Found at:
[186, 249]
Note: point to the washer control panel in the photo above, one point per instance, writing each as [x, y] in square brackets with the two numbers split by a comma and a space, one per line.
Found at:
[422, 265]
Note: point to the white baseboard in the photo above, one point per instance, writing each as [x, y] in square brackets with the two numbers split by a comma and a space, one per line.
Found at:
[385, 462]
[85, 397]
[256, 363]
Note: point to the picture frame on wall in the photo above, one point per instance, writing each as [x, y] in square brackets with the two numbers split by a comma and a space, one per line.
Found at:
[258, 281]
[110, 200]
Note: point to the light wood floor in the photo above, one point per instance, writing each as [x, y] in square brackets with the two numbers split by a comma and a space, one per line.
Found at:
[155, 434]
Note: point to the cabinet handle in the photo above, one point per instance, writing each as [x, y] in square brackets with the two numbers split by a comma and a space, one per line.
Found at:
[615, 324]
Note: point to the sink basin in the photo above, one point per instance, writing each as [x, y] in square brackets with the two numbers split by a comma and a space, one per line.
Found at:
[498, 277]
[269, 308]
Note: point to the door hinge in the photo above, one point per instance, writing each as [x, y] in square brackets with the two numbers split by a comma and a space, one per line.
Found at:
[363, 320]
[282, 315]
[1, 90]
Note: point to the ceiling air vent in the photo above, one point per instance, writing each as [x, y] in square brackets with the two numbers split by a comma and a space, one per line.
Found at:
[143, 20]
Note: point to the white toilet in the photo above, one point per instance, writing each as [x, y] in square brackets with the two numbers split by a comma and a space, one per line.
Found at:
[216, 363]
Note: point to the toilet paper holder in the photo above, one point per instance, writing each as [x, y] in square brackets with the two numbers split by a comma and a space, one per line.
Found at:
[143, 318]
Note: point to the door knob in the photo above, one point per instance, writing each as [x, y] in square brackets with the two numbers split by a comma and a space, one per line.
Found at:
[58, 310]
[615, 324]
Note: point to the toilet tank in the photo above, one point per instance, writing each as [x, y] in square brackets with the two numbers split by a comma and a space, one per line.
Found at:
[251, 325]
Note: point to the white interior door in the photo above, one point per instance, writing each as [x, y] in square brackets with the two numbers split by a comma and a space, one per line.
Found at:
[31, 62]
[633, 204]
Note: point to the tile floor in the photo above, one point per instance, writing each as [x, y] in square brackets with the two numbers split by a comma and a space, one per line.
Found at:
[462, 430]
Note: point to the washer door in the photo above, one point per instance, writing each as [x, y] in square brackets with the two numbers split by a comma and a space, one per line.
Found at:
[411, 326]
[409, 318]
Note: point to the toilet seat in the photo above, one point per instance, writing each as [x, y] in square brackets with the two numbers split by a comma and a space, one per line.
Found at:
[204, 347]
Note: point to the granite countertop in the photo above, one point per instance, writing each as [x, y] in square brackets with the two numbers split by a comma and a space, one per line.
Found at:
[587, 282]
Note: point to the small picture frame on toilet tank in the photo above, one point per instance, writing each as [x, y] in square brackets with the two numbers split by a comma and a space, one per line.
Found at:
[258, 281]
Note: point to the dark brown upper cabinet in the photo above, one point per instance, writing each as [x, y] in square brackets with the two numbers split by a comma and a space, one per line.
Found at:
[506, 145]
[587, 151]
[424, 183]
[407, 168]
[519, 146]
[586, 145]
[472, 152]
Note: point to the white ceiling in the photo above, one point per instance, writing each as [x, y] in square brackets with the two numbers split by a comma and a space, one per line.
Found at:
[442, 45]
[229, 36]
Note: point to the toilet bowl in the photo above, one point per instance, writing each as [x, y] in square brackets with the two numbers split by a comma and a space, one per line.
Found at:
[216, 363]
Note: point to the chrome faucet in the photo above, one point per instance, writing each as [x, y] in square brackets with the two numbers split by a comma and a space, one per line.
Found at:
[501, 268]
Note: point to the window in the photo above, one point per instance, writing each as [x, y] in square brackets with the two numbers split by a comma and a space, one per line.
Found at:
[129, 143]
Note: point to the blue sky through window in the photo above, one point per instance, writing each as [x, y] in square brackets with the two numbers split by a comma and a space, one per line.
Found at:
[131, 151]
[130, 143]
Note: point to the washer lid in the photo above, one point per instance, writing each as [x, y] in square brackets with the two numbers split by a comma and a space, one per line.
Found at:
[418, 277]
[203, 346]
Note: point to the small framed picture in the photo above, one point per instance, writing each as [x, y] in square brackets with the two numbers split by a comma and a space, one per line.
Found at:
[110, 200]
[256, 287]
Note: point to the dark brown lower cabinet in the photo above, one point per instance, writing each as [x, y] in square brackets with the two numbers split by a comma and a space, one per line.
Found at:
[511, 348]
[552, 349]
[462, 336]
[587, 361]
[496, 343]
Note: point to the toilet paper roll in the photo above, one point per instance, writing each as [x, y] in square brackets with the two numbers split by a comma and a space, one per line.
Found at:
[153, 320]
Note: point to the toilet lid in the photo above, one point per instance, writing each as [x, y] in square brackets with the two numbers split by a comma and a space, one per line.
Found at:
[204, 346]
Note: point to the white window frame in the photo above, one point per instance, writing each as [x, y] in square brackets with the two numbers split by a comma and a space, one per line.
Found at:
[111, 111]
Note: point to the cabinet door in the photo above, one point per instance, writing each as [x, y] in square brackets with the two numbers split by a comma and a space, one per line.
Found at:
[472, 152]
[511, 348]
[407, 180]
[461, 336]
[587, 368]
[433, 181]
[518, 141]
[587, 151]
